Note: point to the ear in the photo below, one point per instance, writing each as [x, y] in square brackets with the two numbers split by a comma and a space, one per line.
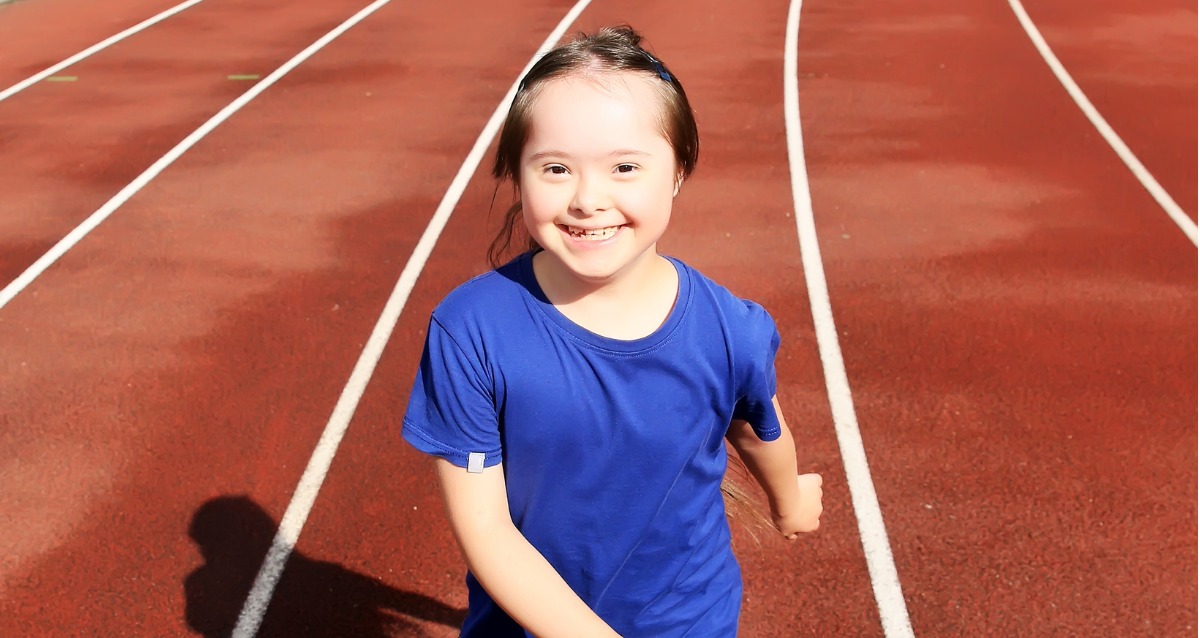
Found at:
[678, 183]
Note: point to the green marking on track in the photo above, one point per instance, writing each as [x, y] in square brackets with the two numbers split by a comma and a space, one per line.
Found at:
[62, 78]
[247, 76]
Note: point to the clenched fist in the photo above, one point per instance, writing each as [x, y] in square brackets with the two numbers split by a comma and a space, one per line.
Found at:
[804, 515]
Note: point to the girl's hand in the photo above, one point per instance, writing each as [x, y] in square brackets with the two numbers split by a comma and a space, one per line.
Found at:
[805, 513]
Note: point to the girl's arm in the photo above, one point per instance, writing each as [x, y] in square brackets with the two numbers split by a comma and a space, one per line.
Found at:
[795, 500]
[512, 571]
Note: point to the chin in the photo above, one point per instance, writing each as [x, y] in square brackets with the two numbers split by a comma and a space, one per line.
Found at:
[601, 268]
[592, 270]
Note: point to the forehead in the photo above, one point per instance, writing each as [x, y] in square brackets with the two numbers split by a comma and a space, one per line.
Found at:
[595, 112]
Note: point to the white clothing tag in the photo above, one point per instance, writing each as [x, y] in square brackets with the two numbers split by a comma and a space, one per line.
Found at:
[475, 462]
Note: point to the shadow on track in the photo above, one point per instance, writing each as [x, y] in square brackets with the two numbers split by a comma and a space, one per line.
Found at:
[314, 598]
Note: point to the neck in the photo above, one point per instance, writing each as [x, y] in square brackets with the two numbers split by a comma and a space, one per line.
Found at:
[631, 306]
[562, 286]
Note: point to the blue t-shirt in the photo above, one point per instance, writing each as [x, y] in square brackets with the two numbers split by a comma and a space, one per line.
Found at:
[613, 450]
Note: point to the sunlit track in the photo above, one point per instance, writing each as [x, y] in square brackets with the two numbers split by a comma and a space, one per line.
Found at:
[1135, 165]
[96, 48]
[991, 267]
[255, 608]
[872, 531]
[104, 212]
[1014, 322]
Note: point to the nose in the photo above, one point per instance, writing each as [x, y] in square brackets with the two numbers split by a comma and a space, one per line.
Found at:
[591, 195]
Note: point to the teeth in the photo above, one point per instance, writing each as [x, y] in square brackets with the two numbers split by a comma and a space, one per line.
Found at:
[597, 234]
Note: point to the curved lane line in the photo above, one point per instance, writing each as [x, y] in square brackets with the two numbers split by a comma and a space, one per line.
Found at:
[259, 598]
[1156, 191]
[95, 48]
[95, 219]
[885, 582]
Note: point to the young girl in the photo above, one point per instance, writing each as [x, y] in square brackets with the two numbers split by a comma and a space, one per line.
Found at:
[579, 397]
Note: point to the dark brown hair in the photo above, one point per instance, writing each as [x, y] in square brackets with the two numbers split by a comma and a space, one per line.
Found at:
[610, 49]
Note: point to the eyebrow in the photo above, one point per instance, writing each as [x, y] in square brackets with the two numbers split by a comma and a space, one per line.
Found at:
[553, 153]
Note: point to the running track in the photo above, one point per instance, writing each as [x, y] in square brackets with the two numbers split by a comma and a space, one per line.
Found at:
[1016, 314]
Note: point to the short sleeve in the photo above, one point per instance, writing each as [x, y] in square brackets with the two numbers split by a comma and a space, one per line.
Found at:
[757, 343]
[452, 411]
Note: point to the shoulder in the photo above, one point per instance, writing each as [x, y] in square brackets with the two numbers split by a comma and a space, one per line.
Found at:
[747, 330]
[751, 339]
[739, 313]
[483, 297]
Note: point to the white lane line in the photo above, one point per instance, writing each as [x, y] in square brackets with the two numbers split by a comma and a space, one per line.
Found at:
[1159, 194]
[102, 213]
[322, 457]
[893, 613]
[95, 48]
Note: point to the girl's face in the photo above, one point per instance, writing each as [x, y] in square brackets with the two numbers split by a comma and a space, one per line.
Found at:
[597, 175]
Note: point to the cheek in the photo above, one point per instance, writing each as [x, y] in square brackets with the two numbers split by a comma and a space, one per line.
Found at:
[538, 206]
[547, 197]
[651, 202]
[530, 202]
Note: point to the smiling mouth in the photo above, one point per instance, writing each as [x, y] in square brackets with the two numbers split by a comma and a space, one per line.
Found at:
[591, 234]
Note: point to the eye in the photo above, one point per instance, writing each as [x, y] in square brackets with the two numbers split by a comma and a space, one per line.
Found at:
[626, 168]
[555, 169]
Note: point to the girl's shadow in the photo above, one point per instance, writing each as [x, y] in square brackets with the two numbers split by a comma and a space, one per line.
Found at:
[313, 598]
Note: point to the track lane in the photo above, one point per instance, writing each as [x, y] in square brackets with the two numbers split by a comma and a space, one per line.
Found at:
[38, 35]
[75, 159]
[49, 73]
[243, 385]
[196, 388]
[1018, 321]
[1136, 61]
[382, 494]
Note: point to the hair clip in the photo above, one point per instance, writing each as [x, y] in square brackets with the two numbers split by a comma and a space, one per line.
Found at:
[662, 72]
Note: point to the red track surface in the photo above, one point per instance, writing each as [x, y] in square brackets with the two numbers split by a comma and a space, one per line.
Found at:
[1017, 315]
